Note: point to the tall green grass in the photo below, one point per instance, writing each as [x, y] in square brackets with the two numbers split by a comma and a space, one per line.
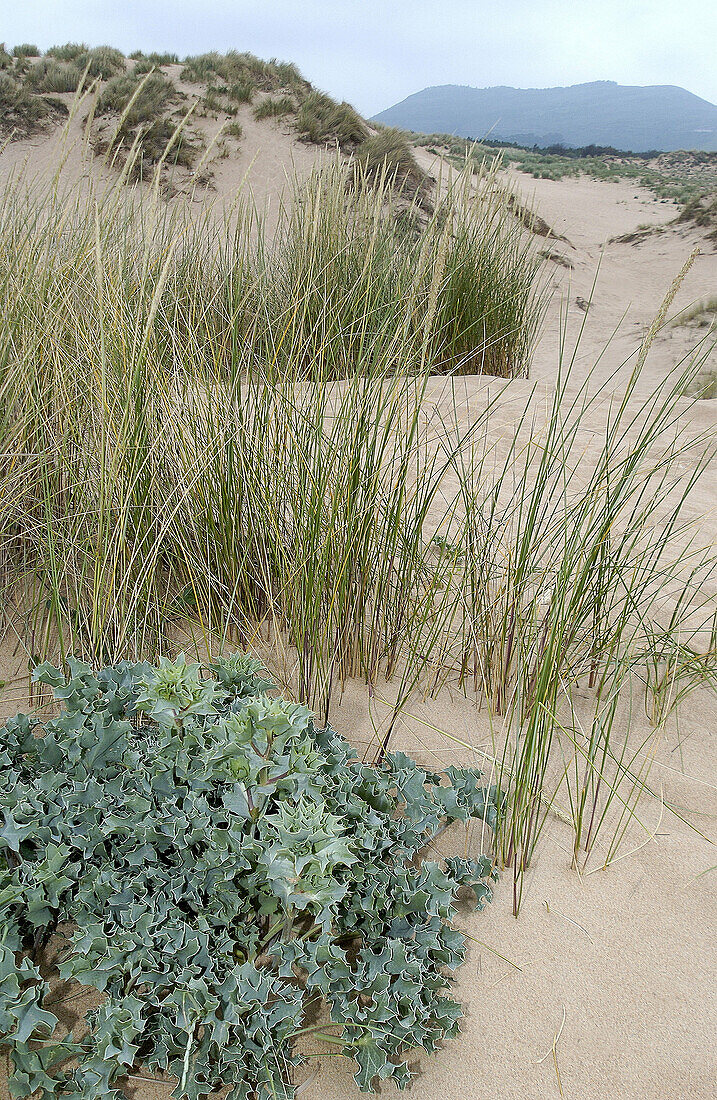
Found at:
[209, 432]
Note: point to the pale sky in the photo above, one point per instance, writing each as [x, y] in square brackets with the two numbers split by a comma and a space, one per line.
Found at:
[376, 52]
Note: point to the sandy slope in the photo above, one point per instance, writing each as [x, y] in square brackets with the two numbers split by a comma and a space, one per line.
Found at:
[619, 963]
[265, 158]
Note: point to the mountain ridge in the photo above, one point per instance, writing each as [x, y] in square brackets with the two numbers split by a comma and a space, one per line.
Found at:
[603, 112]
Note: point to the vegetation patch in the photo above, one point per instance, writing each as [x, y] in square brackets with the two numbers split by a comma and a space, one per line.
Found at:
[158, 59]
[71, 51]
[637, 236]
[51, 75]
[155, 365]
[388, 154]
[242, 91]
[141, 102]
[703, 314]
[671, 177]
[245, 68]
[21, 112]
[702, 211]
[556, 257]
[532, 220]
[274, 108]
[26, 49]
[217, 868]
[323, 121]
[237, 76]
[704, 386]
[102, 62]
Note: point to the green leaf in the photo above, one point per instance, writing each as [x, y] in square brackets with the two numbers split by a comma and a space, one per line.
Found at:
[222, 862]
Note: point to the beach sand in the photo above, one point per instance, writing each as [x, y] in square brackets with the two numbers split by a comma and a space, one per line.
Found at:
[604, 986]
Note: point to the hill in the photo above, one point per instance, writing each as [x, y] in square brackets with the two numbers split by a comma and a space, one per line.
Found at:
[205, 123]
[600, 113]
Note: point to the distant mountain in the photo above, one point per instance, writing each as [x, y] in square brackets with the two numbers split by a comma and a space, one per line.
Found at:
[600, 113]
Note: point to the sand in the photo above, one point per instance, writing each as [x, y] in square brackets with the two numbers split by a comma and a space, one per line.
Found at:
[606, 987]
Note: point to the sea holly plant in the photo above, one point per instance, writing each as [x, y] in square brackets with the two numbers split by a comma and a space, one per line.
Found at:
[222, 873]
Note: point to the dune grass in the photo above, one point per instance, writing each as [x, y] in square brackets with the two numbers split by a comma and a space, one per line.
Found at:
[26, 49]
[144, 135]
[51, 75]
[322, 120]
[702, 211]
[71, 51]
[274, 107]
[214, 435]
[239, 76]
[157, 59]
[244, 68]
[704, 313]
[21, 112]
[100, 61]
[388, 153]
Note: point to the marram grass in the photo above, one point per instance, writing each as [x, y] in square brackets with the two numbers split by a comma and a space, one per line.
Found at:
[209, 432]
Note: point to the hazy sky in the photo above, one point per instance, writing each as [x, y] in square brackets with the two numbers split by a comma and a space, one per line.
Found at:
[375, 52]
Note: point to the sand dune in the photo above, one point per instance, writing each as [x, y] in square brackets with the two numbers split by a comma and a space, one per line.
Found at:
[604, 985]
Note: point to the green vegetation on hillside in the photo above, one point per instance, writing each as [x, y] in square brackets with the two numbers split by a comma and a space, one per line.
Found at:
[702, 211]
[158, 59]
[322, 120]
[141, 101]
[26, 49]
[276, 88]
[50, 75]
[271, 107]
[675, 177]
[21, 112]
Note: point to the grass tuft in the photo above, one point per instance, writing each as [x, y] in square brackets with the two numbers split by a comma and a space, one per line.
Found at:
[26, 49]
[324, 121]
[143, 131]
[274, 108]
[21, 113]
[241, 91]
[702, 211]
[387, 153]
[50, 75]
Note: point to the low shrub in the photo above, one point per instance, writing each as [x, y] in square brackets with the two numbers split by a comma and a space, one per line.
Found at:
[26, 50]
[215, 867]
